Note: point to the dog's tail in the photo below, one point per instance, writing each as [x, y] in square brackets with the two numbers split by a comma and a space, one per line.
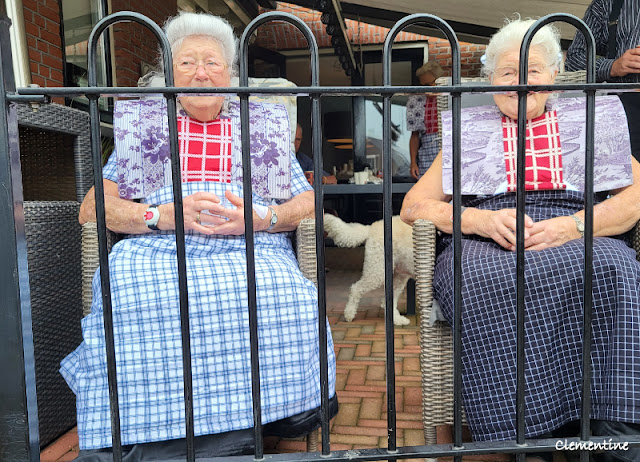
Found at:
[345, 234]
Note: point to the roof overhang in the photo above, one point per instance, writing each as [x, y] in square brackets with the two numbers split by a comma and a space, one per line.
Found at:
[473, 21]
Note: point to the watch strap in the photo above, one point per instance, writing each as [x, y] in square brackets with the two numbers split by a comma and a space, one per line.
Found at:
[579, 225]
[274, 218]
[151, 217]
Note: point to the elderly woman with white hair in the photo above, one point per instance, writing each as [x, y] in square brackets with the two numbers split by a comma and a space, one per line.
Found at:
[144, 282]
[554, 183]
[422, 121]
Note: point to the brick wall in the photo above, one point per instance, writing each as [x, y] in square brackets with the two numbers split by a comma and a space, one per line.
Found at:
[470, 54]
[133, 43]
[42, 27]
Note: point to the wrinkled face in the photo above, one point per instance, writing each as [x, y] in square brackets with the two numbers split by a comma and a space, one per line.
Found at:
[298, 140]
[427, 79]
[506, 73]
[200, 62]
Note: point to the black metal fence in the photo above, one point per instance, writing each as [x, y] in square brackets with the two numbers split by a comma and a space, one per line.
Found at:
[18, 409]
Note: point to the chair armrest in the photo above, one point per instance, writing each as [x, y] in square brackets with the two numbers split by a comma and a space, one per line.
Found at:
[91, 260]
[436, 341]
[306, 249]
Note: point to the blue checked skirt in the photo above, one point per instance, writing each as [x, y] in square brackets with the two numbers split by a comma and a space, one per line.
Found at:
[146, 318]
[428, 150]
[553, 304]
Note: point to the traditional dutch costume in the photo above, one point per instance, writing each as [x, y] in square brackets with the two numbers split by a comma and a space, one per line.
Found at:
[553, 277]
[422, 117]
[144, 290]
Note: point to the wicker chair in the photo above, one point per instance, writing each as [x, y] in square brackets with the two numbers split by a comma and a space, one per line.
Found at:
[436, 341]
[54, 156]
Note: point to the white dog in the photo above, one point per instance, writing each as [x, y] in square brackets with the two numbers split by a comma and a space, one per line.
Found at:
[354, 234]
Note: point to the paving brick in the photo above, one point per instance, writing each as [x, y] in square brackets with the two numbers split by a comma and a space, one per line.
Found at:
[369, 329]
[364, 350]
[346, 354]
[360, 430]
[412, 396]
[378, 346]
[356, 440]
[413, 437]
[411, 364]
[348, 414]
[361, 394]
[356, 377]
[367, 388]
[353, 332]
[376, 373]
[371, 408]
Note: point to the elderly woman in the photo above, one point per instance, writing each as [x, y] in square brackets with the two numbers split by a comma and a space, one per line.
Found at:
[143, 266]
[554, 257]
[422, 121]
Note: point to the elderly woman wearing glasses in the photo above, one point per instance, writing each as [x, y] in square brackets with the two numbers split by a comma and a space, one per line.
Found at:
[144, 281]
[554, 183]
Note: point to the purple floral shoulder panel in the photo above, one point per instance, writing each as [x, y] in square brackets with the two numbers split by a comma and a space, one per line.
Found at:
[143, 156]
[483, 166]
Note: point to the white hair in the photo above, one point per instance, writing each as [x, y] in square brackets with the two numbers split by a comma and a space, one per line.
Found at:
[546, 40]
[186, 24]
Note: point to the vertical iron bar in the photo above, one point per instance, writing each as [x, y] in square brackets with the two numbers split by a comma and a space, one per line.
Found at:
[18, 406]
[103, 255]
[317, 155]
[520, 196]
[250, 256]
[585, 428]
[179, 230]
[388, 244]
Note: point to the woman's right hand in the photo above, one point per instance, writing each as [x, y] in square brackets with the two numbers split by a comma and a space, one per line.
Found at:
[499, 225]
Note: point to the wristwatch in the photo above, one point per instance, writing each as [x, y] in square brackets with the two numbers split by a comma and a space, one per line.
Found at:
[579, 225]
[151, 217]
[274, 218]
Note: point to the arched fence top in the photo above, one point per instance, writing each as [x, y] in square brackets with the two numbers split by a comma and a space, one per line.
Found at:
[578, 23]
[277, 16]
[128, 16]
[425, 19]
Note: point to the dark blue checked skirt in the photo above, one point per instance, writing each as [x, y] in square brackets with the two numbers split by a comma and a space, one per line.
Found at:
[553, 325]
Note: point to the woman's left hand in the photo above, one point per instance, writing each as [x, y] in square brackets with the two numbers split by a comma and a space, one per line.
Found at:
[233, 225]
[551, 233]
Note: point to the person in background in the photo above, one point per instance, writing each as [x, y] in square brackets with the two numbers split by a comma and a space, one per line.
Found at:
[422, 121]
[615, 25]
[554, 257]
[306, 162]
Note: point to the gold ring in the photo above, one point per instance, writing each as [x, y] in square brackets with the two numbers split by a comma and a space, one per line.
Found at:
[198, 218]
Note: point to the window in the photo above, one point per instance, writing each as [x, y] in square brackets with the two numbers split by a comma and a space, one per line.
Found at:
[79, 17]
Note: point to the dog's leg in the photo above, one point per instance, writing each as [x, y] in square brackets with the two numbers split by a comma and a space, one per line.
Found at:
[399, 284]
[358, 289]
[371, 279]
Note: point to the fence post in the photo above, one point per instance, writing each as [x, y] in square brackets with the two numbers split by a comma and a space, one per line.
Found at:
[19, 439]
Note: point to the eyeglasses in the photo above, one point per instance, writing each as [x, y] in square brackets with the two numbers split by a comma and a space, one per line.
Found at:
[189, 66]
[510, 74]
